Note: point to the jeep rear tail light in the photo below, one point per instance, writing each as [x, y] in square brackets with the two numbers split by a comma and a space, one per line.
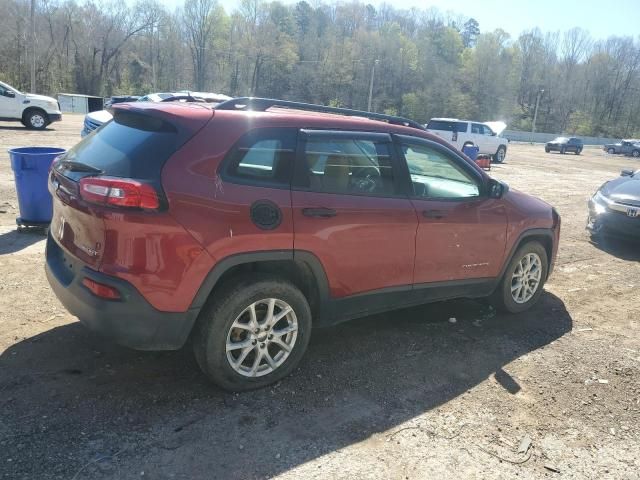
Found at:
[119, 192]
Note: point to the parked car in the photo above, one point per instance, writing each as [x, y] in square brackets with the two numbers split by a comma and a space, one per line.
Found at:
[564, 145]
[486, 136]
[242, 225]
[615, 208]
[120, 99]
[33, 111]
[93, 120]
[626, 147]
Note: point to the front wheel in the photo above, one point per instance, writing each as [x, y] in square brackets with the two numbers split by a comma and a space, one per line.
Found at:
[611, 151]
[500, 154]
[636, 153]
[563, 150]
[547, 149]
[253, 332]
[522, 282]
[37, 120]
[578, 151]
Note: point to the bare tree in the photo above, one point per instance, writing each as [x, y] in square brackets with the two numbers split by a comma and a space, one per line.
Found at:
[199, 27]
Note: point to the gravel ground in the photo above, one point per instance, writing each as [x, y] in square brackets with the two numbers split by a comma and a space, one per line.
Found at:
[554, 392]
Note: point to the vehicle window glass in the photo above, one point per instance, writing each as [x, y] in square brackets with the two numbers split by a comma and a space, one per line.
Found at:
[2, 90]
[434, 175]
[487, 130]
[264, 155]
[444, 125]
[349, 166]
[462, 127]
[131, 145]
[477, 128]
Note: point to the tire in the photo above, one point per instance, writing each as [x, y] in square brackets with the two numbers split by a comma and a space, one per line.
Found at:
[635, 153]
[500, 154]
[230, 307]
[36, 119]
[563, 150]
[547, 149]
[503, 298]
[611, 151]
[578, 151]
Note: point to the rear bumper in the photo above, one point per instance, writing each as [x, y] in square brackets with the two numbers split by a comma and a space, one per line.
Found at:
[130, 321]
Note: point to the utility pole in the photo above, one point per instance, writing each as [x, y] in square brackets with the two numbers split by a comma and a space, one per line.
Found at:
[535, 113]
[33, 46]
[373, 70]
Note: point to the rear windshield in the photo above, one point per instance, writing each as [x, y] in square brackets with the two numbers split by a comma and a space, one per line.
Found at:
[131, 145]
[447, 126]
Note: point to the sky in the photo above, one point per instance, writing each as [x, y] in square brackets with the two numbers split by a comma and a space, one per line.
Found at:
[602, 18]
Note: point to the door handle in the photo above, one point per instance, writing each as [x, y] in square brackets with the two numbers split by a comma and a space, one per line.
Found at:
[319, 212]
[434, 213]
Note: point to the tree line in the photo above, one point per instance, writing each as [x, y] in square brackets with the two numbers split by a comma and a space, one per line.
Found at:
[424, 63]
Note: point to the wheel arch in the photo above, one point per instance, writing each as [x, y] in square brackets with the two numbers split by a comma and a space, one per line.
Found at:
[543, 236]
[32, 108]
[301, 268]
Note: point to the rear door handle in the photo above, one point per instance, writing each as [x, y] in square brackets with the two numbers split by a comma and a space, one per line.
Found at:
[434, 213]
[319, 212]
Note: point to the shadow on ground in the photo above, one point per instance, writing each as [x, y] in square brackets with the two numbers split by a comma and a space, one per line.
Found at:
[22, 128]
[14, 241]
[73, 404]
[625, 249]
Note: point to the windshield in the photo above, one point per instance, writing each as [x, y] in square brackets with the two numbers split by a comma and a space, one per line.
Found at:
[9, 87]
[560, 139]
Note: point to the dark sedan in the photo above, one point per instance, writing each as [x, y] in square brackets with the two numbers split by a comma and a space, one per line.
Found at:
[564, 145]
[615, 207]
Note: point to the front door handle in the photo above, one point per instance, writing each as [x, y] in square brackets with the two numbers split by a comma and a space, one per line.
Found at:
[319, 212]
[434, 213]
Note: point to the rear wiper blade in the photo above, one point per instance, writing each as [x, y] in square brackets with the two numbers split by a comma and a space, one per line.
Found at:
[72, 166]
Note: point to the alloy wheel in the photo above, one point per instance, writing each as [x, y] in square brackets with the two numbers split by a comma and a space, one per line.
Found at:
[262, 337]
[526, 278]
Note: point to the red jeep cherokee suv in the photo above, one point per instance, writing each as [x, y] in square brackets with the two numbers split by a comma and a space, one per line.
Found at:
[240, 226]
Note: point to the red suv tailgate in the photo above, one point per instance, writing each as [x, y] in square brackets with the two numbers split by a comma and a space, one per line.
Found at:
[134, 145]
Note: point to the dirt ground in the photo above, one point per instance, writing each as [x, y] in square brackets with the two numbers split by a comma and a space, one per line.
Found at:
[404, 395]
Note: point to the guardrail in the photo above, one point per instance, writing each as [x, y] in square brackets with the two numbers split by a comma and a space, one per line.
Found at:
[539, 137]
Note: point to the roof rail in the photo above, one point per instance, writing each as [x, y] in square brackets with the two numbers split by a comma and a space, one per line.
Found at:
[262, 104]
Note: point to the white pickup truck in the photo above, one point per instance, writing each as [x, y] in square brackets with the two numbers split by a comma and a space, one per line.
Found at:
[34, 111]
[486, 136]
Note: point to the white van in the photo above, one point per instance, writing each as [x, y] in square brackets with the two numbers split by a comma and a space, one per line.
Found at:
[34, 111]
[486, 136]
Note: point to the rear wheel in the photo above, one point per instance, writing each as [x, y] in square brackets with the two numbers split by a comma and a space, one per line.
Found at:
[563, 150]
[547, 149]
[521, 285]
[636, 153]
[253, 333]
[578, 151]
[611, 151]
[36, 119]
[500, 154]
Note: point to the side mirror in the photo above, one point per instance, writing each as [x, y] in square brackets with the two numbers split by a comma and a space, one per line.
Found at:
[497, 189]
[626, 173]
[10, 94]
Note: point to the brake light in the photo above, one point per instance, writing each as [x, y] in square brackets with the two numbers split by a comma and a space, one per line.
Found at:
[119, 192]
[101, 290]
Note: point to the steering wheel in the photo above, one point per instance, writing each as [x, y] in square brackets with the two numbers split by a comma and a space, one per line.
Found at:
[365, 179]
